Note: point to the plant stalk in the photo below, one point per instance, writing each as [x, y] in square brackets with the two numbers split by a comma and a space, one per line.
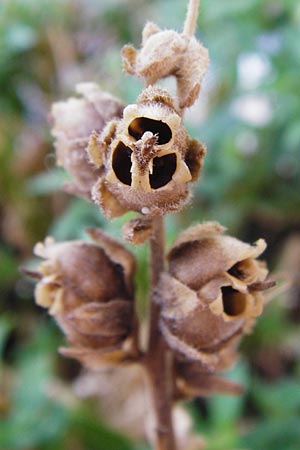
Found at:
[158, 360]
[190, 23]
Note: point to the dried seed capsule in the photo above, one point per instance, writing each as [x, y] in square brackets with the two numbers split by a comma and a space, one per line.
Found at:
[146, 157]
[73, 122]
[88, 288]
[211, 293]
[165, 53]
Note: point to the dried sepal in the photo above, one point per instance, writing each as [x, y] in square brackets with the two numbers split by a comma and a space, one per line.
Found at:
[211, 294]
[194, 158]
[147, 158]
[96, 359]
[96, 149]
[106, 200]
[165, 53]
[73, 122]
[99, 143]
[191, 382]
[138, 230]
[88, 288]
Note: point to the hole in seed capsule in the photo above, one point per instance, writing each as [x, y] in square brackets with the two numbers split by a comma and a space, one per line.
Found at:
[234, 302]
[142, 124]
[121, 163]
[243, 270]
[163, 170]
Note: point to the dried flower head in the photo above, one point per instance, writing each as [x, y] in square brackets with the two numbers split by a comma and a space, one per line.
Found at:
[146, 158]
[73, 122]
[165, 53]
[88, 288]
[211, 294]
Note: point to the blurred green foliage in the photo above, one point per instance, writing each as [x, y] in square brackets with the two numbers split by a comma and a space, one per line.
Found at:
[249, 117]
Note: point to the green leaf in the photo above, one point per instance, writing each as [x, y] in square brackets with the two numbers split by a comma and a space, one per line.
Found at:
[278, 399]
[72, 223]
[225, 410]
[95, 435]
[6, 325]
[47, 182]
[8, 266]
[274, 434]
[34, 417]
[20, 37]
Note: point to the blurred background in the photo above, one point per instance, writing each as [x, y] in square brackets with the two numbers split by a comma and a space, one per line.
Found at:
[248, 115]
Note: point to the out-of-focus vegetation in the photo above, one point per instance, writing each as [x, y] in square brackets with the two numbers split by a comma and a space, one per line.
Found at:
[248, 115]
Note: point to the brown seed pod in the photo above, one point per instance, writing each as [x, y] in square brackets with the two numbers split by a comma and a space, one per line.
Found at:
[73, 122]
[88, 288]
[211, 294]
[146, 157]
[165, 53]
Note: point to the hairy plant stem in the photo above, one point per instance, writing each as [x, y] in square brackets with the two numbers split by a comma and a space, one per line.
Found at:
[158, 360]
[191, 18]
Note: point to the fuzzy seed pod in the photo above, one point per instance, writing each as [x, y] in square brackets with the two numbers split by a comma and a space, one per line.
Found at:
[165, 53]
[88, 288]
[73, 122]
[211, 294]
[146, 158]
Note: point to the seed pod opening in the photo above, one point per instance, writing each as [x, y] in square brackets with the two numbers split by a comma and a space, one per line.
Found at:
[163, 170]
[121, 163]
[234, 302]
[141, 125]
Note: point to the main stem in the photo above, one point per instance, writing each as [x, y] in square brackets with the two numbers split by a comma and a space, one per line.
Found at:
[158, 358]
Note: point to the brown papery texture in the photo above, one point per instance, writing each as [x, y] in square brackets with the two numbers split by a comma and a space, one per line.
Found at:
[164, 53]
[211, 294]
[88, 288]
[73, 121]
